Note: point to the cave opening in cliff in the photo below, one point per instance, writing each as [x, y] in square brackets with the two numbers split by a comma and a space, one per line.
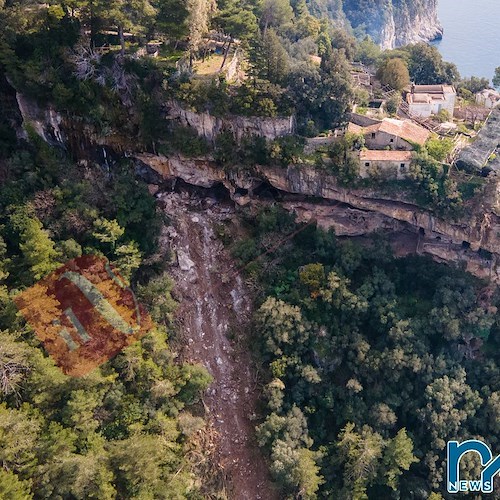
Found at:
[266, 191]
[485, 254]
[218, 191]
[241, 192]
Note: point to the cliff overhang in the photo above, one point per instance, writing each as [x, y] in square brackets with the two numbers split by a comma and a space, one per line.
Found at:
[472, 242]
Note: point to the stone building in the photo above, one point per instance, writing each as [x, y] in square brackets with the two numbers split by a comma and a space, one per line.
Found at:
[395, 134]
[386, 164]
[488, 98]
[390, 143]
[426, 100]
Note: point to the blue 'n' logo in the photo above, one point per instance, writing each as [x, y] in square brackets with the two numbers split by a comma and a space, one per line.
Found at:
[491, 467]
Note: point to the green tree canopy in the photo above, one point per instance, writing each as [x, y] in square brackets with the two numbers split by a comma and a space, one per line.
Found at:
[394, 73]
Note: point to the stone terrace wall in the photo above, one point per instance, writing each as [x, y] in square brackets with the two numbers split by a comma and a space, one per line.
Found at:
[362, 121]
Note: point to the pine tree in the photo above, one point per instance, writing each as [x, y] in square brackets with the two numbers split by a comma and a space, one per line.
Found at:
[398, 457]
[38, 250]
[200, 13]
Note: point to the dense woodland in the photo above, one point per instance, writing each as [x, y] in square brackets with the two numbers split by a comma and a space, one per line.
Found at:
[374, 363]
[371, 363]
[122, 431]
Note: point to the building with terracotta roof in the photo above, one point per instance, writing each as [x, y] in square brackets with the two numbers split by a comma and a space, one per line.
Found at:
[426, 100]
[388, 164]
[390, 143]
[354, 128]
[395, 134]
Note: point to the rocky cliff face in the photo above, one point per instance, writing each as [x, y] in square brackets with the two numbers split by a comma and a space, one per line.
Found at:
[393, 23]
[46, 122]
[209, 126]
[473, 242]
[81, 139]
[414, 21]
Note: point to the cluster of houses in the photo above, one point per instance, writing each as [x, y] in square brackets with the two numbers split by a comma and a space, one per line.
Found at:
[423, 101]
[488, 98]
[390, 143]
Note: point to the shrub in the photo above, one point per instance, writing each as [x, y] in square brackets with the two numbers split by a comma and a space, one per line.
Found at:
[439, 149]
[443, 116]
[344, 165]
[226, 149]
[393, 103]
[184, 140]
[254, 150]
[287, 149]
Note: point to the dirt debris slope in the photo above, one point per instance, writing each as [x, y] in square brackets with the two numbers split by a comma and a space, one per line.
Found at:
[214, 308]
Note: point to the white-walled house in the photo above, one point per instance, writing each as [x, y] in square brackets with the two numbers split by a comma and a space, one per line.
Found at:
[488, 98]
[427, 100]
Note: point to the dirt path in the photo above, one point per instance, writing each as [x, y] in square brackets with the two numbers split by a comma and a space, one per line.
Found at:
[214, 307]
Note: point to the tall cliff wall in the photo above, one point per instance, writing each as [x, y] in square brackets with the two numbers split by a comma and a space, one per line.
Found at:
[82, 140]
[473, 242]
[393, 23]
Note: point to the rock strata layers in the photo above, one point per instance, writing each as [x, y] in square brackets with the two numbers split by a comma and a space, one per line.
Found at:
[472, 242]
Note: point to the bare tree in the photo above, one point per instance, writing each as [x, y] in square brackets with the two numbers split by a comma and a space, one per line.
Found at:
[86, 61]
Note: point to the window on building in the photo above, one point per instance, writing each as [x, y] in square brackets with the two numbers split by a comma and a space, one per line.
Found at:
[367, 164]
[373, 135]
[403, 166]
[392, 140]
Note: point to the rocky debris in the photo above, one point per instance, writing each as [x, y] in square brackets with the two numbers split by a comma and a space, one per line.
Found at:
[185, 263]
[207, 313]
[242, 200]
[153, 189]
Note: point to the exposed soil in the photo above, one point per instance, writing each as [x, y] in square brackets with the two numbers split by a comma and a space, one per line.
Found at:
[214, 316]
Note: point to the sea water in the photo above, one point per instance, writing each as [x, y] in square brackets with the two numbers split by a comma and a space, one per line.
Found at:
[471, 35]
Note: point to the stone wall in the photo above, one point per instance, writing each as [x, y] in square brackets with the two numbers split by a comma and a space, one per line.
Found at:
[314, 143]
[362, 120]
